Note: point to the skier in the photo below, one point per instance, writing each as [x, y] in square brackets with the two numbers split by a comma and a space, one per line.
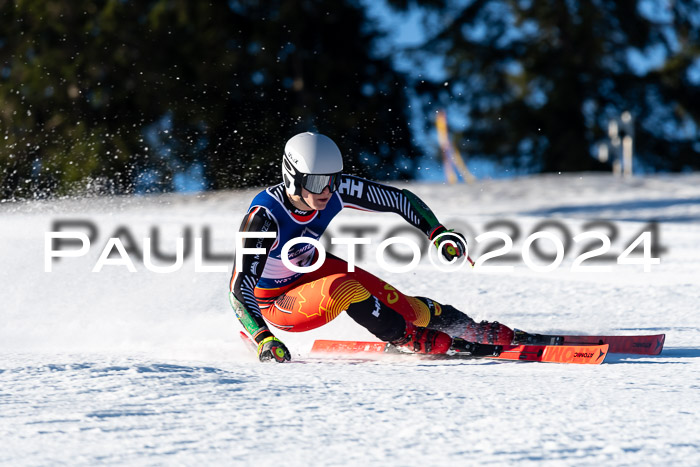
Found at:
[313, 191]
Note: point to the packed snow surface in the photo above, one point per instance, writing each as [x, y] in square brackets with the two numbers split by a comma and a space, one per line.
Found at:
[143, 368]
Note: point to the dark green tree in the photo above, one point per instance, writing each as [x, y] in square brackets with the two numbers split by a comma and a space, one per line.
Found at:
[122, 95]
[539, 80]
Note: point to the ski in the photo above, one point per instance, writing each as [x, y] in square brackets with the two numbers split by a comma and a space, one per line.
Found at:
[248, 342]
[643, 345]
[581, 354]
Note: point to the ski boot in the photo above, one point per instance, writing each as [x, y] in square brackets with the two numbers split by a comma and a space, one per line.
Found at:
[424, 341]
[487, 332]
[455, 323]
[526, 338]
[437, 343]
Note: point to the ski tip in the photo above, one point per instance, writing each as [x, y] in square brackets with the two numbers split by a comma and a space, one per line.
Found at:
[661, 338]
[248, 342]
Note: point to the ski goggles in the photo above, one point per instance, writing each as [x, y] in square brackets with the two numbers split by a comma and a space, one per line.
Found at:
[317, 183]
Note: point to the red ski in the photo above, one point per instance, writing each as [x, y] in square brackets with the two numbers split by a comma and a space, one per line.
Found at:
[644, 345]
[248, 342]
[582, 354]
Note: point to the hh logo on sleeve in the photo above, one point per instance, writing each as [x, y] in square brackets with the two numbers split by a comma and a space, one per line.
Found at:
[351, 187]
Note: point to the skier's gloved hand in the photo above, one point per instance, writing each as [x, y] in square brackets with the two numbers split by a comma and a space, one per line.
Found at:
[450, 244]
[272, 348]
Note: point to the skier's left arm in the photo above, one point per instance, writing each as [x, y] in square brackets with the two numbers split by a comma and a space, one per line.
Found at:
[367, 195]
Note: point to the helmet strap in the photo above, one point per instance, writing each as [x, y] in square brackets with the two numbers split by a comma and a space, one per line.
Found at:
[296, 197]
[305, 203]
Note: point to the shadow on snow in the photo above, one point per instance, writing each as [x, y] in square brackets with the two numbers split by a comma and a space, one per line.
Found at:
[625, 206]
[667, 356]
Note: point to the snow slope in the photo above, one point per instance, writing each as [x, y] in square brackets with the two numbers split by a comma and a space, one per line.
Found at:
[143, 368]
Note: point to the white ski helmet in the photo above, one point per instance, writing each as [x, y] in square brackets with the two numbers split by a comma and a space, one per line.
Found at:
[312, 161]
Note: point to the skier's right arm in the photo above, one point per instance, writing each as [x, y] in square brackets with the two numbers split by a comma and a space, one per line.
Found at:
[244, 279]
